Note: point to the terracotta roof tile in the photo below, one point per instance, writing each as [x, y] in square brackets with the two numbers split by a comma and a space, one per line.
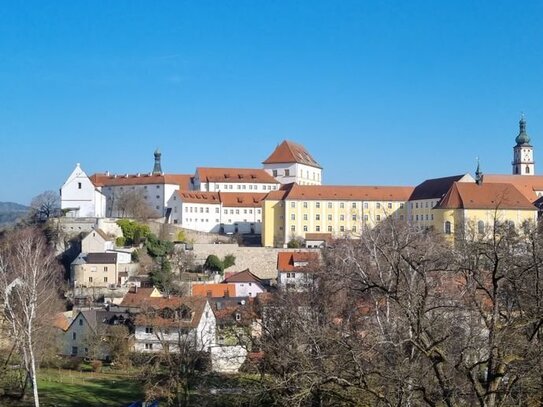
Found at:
[199, 197]
[526, 184]
[289, 152]
[151, 312]
[245, 199]
[214, 290]
[286, 261]
[484, 196]
[349, 193]
[230, 175]
[101, 180]
[244, 276]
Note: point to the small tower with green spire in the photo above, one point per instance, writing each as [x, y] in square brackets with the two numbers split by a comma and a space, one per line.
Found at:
[523, 152]
[157, 169]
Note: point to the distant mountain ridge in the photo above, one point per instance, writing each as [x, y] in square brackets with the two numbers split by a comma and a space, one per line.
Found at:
[11, 211]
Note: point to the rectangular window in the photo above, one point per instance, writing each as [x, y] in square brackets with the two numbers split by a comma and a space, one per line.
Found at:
[342, 205]
[353, 205]
[79, 185]
[329, 228]
[90, 279]
[292, 216]
[329, 205]
[353, 229]
[105, 268]
[318, 204]
[305, 228]
[274, 172]
[342, 217]
[293, 204]
[293, 228]
[305, 216]
[317, 228]
[330, 217]
[365, 205]
[105, 279]
[378, 205]
[148, 346]
[287, 173]
[80, 322]
[365, 217]
[354, 217]
[237, 211]
[74, 350]
[74, 336]
[401, 205]
[305, 204]
[317, 217]
[148, 329]
[389, 205]
[342, 228]
[378, 217]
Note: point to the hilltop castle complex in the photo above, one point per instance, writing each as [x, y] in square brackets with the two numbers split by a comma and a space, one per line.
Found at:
[285, 199]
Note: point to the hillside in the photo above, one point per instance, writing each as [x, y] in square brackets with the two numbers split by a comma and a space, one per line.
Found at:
[10, 212]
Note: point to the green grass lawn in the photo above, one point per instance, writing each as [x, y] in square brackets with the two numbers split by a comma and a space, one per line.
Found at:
[72, 388]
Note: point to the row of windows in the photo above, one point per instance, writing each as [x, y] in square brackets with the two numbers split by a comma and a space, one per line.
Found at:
[216, 220]
[91, 279]
[133, 187]
[191, 209]
[481, 227]
[250, 187]
[423, 217]
[354, 205]
[318, 217]
[313, 174]
[426, 204]
[318, 228]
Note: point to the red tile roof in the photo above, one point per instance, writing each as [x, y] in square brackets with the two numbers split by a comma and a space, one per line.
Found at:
[100, 180]
[349, 193]
[214, 290]
[526, 184]
[286, 261]
[199, 197]
[290, 152]
[244, 276]
[138, 298]
[245, 199]
[244, 175]
[484, 196]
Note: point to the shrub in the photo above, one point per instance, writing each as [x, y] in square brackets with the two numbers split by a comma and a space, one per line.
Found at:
[229, 260]
[213, 263]
[158, 248]
[295, 244]
[133, 232]
[181, 236]
[120, 241]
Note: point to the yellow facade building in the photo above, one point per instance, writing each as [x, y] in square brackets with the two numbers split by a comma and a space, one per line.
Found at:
[473, 209]
[340, 211]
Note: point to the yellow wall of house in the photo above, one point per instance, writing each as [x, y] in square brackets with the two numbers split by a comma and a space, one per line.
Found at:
[285, 220]
[466, 220]
[273, 219]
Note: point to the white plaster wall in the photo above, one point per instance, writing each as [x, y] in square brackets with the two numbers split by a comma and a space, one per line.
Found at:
[79, 192]
[248, 289]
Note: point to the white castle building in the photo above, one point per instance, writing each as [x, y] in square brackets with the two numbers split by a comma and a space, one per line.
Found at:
[220, 200]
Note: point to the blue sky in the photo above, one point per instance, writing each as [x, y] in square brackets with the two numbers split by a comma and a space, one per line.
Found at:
[380, 92]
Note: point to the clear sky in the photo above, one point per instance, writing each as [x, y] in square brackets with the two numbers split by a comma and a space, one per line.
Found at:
[380, 92]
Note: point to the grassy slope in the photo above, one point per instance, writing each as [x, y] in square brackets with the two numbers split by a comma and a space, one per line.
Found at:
[71, 388]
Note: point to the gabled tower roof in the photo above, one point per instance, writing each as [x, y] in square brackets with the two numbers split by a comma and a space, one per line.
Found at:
[289, 152]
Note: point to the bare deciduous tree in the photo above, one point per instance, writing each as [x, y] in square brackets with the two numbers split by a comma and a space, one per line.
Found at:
[44, 206]
[132, 204]
[29, 276]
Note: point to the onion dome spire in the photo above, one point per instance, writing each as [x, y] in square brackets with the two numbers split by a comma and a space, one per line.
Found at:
[157, 169]
[522, 137]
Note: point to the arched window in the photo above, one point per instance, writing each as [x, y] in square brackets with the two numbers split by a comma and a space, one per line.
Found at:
[448, 228]
[527, 169]
[481, 227]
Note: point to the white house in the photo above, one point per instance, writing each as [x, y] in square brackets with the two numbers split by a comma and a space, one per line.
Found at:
[175, 322]
[79, 197]
[291, 162]
[218, 212]
[247, 284]
[295, 270]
